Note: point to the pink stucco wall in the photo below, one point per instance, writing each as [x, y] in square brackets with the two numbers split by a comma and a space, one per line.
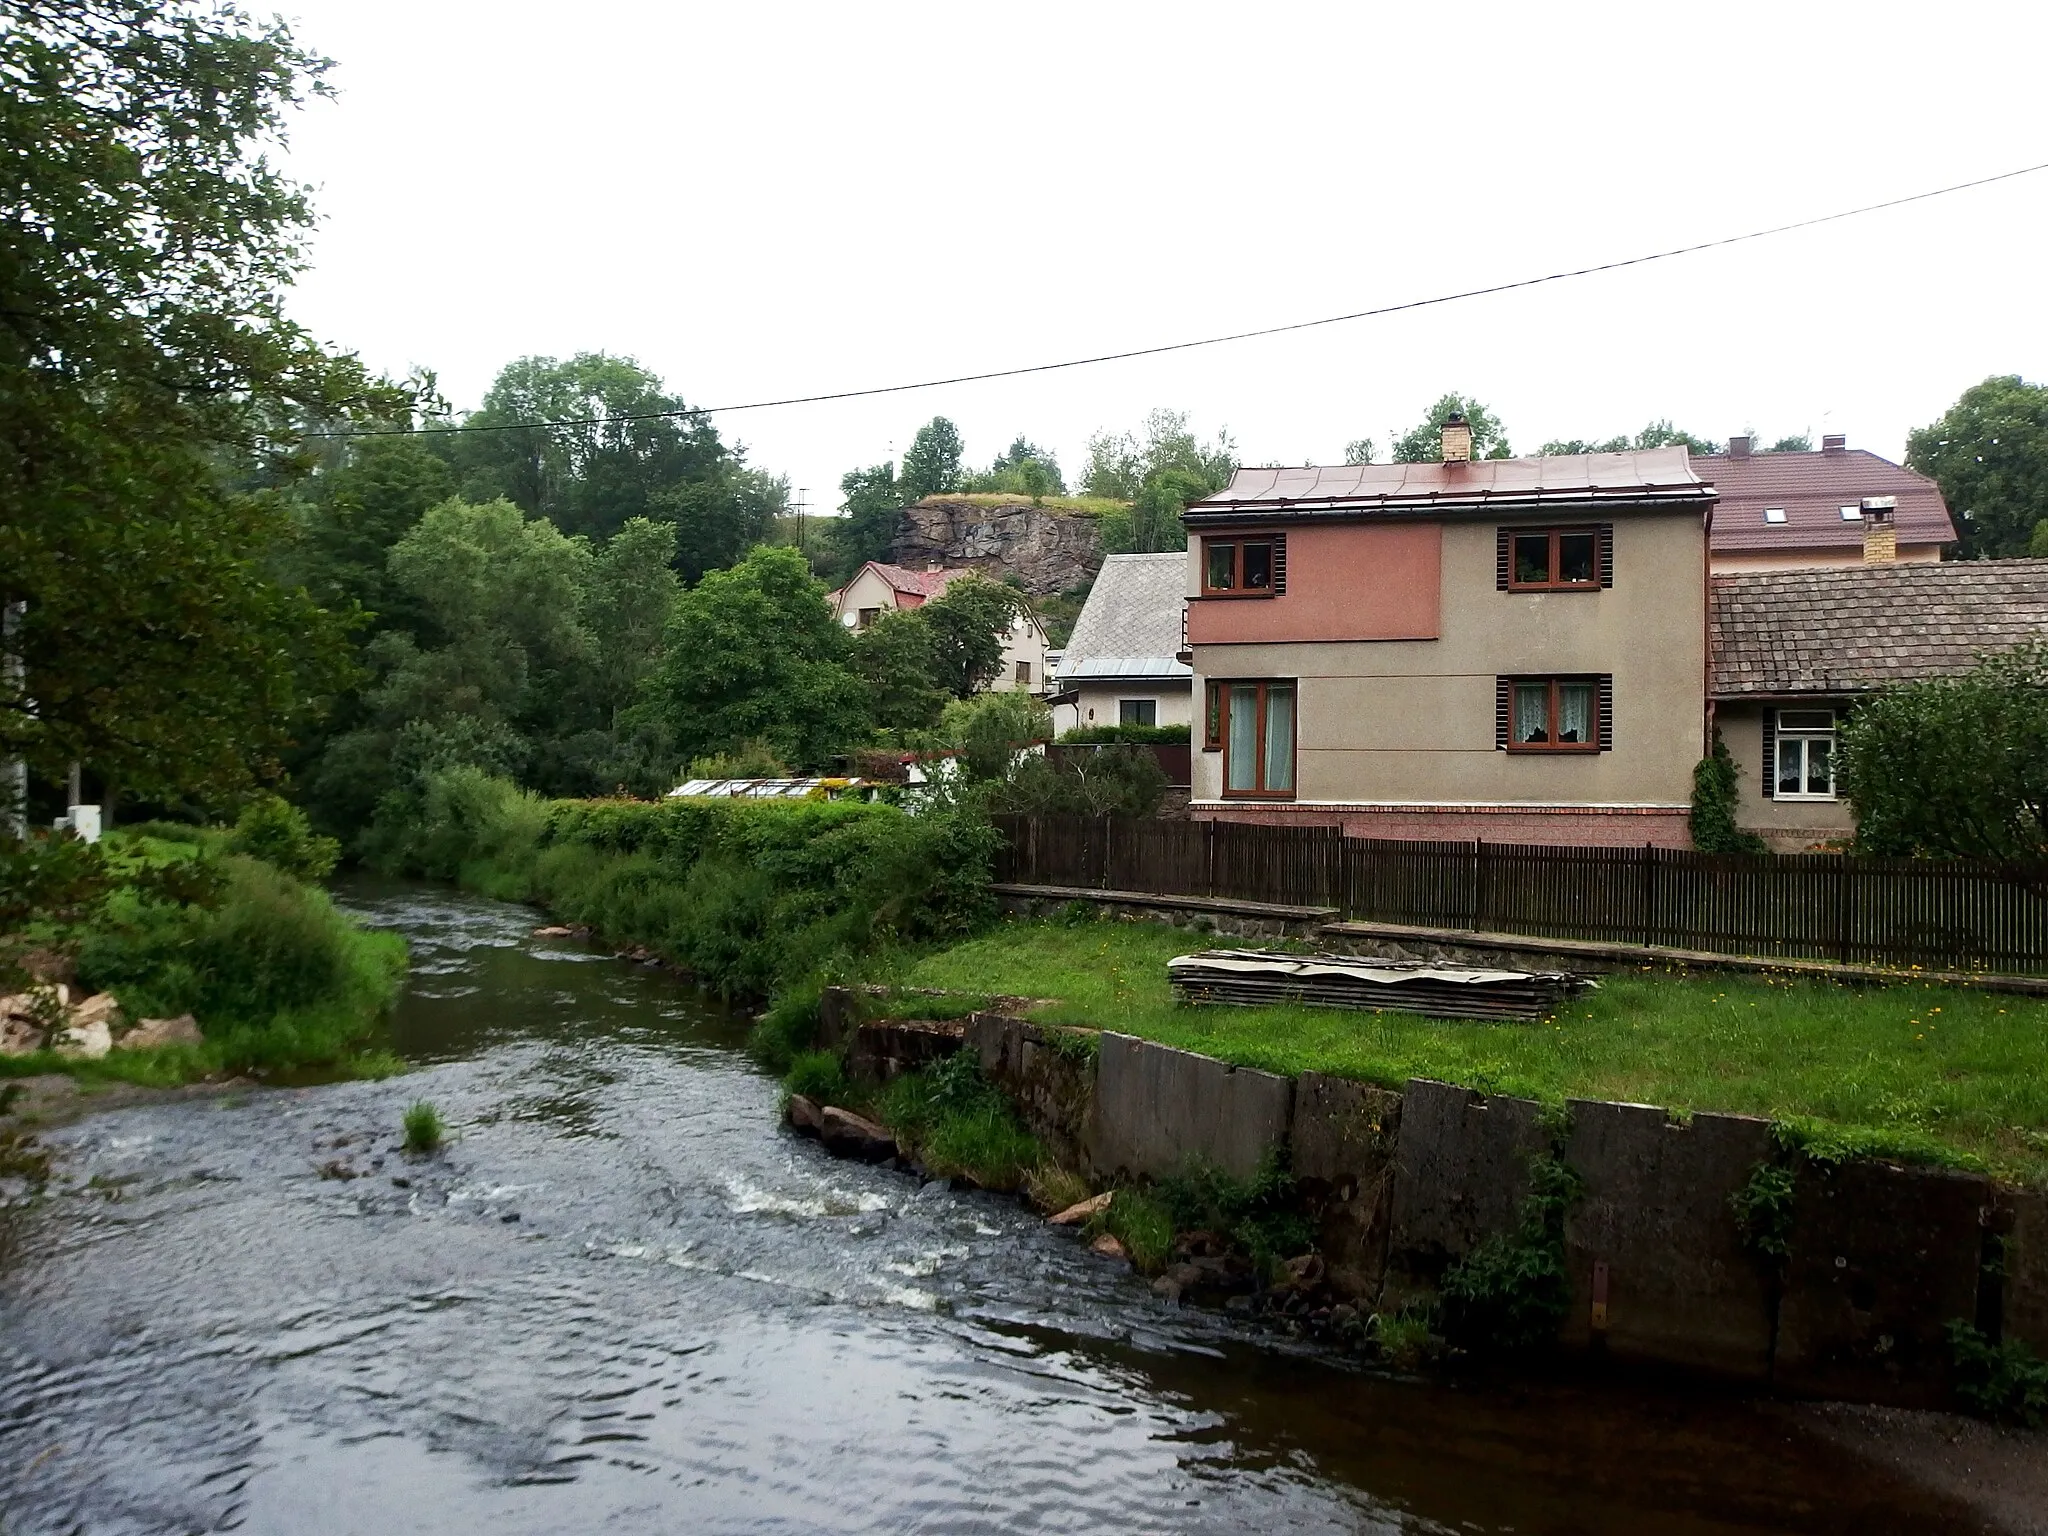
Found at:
[1350, 582]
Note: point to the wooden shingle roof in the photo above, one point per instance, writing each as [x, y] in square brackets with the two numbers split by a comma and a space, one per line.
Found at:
[1851, 628]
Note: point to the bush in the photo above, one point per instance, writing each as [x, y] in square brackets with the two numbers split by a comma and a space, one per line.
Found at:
[749, 759]
[1714, 799]
[818, 1075]
[960, 1123]
[1145, 735]
[1999, 1381]
[423, 1129]
[1108, 781]
[277, 832]
[1258, 1215]
[1510, 1294]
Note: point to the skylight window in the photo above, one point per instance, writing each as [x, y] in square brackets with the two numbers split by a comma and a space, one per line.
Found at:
[1774, 514]
[1852, 514]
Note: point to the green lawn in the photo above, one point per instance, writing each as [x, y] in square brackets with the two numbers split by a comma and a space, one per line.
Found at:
[1934, 1073]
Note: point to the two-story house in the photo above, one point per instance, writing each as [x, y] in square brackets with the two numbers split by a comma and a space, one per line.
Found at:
[1511, 649]
[1782, 511]
[878, 588]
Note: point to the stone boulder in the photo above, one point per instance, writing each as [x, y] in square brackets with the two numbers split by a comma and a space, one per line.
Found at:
[150, 1033]
[846, 1134]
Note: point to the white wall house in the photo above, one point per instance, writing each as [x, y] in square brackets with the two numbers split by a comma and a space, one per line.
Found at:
[877, 588]
[1122, 666]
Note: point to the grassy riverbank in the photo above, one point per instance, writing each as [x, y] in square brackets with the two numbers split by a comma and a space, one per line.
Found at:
[280, 981]
[1937, 1074]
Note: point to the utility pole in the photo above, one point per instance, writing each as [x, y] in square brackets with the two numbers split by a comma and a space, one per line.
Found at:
[13, 683]
[802, 491]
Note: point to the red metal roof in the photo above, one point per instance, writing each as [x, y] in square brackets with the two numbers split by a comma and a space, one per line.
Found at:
[1650, 477]
[1812, 488]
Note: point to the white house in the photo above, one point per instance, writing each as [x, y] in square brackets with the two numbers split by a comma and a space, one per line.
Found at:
[878, 587]
[1121, 666]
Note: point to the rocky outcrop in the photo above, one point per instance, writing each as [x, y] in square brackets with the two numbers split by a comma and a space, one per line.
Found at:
[1048, 552]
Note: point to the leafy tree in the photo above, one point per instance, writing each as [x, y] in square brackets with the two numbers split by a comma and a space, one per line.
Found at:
[990, 729]
[1989, 453]
[931, 465]
[1155, 515]
[1358, 451]
[1797, 442]
[144, 352]
[1423, 444]
[1954, 767]
[753, 652]
[352, 514]
[1658, 434]
[1022, 469]
[1119, 464]
[2037, 546]
[898, 657]
[969, 622]
[873, 505]
[625, 610]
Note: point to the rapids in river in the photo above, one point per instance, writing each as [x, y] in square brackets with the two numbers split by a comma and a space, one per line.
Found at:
[624, 1300]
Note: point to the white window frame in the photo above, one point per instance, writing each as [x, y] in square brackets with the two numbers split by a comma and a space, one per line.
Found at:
[1804, 736]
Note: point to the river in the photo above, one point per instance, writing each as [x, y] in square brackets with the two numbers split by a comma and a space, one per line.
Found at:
[623, 1300]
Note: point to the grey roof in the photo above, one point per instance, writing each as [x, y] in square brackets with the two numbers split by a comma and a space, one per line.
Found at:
[1849, 628]
[1652, 476]
[1131, 625]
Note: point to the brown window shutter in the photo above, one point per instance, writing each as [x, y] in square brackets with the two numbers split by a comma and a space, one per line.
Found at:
[1500, 559]
[1770, 778]
[1500, 711]
[1606, 541]
[1606, 729]
[1279, 563]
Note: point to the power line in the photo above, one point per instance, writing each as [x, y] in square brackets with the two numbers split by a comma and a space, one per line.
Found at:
[1208, 341]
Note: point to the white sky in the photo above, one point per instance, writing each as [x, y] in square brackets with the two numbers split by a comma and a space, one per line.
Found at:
[758, 200]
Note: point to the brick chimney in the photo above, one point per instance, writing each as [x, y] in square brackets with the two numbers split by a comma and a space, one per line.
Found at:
[1738, 447]
[1834, 442]
[1457, 439]
[1880, 533]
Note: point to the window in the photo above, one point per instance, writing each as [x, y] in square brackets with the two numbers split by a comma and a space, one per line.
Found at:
[1554, 714]
[1546, 559]
[1023, 674]
[1247, 567]
[1252, 725]
[1805, 768]
[868, 616]
[1852, 514]
[1774, 514]
[1137, 711]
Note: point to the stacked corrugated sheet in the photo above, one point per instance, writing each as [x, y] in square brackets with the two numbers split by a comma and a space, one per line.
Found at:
[1250, 978]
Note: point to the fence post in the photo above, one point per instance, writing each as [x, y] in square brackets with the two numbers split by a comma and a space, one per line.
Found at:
[1209, 857]
[1648, 861]
[1482, 883]
[1844, 889]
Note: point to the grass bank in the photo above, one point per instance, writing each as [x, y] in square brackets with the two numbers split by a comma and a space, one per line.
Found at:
[281, 982]
[1928, 1073]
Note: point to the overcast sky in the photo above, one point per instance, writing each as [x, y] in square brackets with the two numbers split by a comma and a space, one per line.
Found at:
[759, 200]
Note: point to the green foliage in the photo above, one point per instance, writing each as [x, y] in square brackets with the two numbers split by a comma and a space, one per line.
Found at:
[1714, 801]
[1658, 434]
[872, 501]
[750, 759]
[753, 653]
[1142, 1223]
[1763, 1210]
[968, 624]
[423, 1128]
[145, 360]
[1022, 469]
[931, 465]
[1359, 451]
[788, 1028]
[2005, 1381]
[1115, 780]
[989, 730]
[1147, 734]
[1989, 453]
[1260, 1215]
[277, 832]
[817, 1075]
[1510, 1294]
[960, 1123]
[1954, 767]
[1120, 464]
[2037, 546]
[1423, 444]
[897, 657]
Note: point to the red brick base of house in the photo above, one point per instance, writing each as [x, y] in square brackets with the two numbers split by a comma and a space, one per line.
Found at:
[1572, 826]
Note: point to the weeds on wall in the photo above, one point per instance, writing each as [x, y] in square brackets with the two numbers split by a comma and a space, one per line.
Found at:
[2007, 1381]
[1510, 1294]
[1763, 1211]
[960, 1123]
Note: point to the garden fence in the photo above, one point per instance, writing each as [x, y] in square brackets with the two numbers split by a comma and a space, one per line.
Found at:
[1950, 914]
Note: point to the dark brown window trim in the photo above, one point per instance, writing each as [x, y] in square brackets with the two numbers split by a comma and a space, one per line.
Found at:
[1597, 739]
[1602, 538]
[1276, 570]
[1222, 726]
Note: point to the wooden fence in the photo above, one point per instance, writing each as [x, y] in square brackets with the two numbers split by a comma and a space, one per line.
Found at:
[1950, 914]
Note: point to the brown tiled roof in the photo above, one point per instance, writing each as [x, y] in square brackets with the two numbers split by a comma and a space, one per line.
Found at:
[921, 583]
[1652, 476]
[1813, 488]
[1849, 628]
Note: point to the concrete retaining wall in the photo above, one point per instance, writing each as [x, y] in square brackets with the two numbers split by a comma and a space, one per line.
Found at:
[1157, 1110]
[1052, 1089]
[1461, 1172]
[1342, 1154]
[1655, 1242]
[2026, 1271]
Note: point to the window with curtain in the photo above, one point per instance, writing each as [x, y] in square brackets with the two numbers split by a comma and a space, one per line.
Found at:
[1252, 723]
[1806, 755]
[1552, 714]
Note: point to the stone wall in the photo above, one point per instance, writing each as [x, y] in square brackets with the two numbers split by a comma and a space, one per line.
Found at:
[1047, 552]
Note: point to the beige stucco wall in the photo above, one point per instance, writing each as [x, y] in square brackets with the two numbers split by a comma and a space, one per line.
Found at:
[866, 590]
[1807, 559]
[1097, 704]
[1408, 721]
[1789, 826]
[1025, 640]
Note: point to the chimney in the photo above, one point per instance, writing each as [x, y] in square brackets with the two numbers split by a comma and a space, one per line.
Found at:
[933, 567]
[1834, 442]
[1738, 447]
[1457, 439]
[1880, 533]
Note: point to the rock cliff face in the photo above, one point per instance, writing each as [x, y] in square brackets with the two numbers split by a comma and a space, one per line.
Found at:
[1046, 551]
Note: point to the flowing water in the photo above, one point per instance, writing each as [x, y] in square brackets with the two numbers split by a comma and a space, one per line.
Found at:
[623, 1300]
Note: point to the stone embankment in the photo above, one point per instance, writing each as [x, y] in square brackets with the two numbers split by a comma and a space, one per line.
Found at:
[1046, 552]
[55, 1015]
[1701, 1244]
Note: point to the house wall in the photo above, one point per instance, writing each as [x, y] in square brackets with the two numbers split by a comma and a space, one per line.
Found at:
[1789, 826]
[868, 590]
[1358, 582]
[1396, 737]
[1808, 559]
[1025, 641]
[1098, 701]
